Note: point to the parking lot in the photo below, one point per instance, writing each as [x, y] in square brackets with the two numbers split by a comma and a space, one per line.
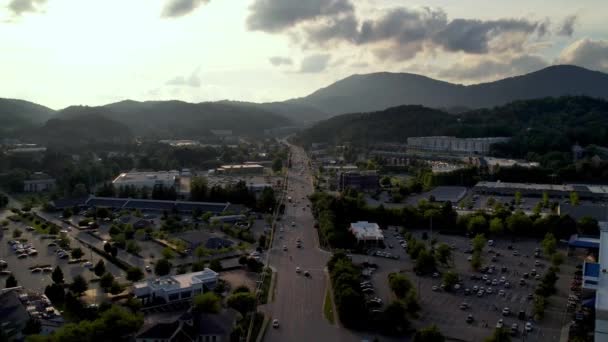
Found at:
[21, 269]
[444, 308]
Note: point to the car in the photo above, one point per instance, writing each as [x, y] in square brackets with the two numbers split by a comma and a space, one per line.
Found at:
[521, 315]
[499, 324]
[29, 228]
[368, 290]
[494, 282]
[533, 272]
[37, 270]
[494, 258]
[22, 256]
[507, 285]
[485, 277]
[63, 256]
[514, 329]
[51, 244]
[435, 275]
[530, 296]
[435, 288]
[506, 311]
[469, 258]
[88, 264]
[488, 282]
[32, 252]
[475, 288]
[489, 290]
[537, 277]
[284, 248]
[470, 318]
[467, 291]
[298, 270]
[148, 268]
[275, 323]
[490, 242]
[522, 282]
[536, 263]
[480, 293]
[528, 326]
[501, 293]
[5, 272]
[3, 263]
[464, 306]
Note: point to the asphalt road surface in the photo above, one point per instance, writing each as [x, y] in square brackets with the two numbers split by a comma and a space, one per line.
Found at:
[298, 301]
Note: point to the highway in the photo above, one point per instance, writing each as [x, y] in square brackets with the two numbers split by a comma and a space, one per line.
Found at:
[298, 301]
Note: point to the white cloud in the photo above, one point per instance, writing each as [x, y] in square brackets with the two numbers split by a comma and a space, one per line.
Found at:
[588, 53]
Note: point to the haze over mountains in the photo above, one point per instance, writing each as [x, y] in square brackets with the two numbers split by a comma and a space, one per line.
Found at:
[354, 94]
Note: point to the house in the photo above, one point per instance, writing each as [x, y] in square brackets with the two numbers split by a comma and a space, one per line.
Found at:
[171, 288]
[192, 326]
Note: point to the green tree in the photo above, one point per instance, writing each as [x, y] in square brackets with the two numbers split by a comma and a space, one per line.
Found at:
[17, 233]
[477, 224]
[425, 262]
[57, 275]
[443, 253]
[385, 181]
[574, 199]
[277, 164]
[215, 265]
[496, 226]
[450, 279]
[476, 260]
[207, 302]
[67, 213]
[106, 280]
[517, 198]
[588, 226]
[394, 320]
[133, 247]
[399, 284]
[79, 285]
[243, 302]
[10, 282]
[499, 335]
[557, 259]
[115, 288]
[168, 253]
[479, 242]
[198, 189]
[162, 267]
[100, 268]
[545, 200]
[519, 223]
[77, 253]
[428, 334]
[549, 244]
[135, 274]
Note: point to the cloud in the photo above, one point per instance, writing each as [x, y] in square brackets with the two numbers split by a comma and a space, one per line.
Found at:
[314, 63]
[588, 53]
[18, 7]
[180, 8]
[191, 81]
[278, 61]
[482, 68]
[278, 15]
[566, 28]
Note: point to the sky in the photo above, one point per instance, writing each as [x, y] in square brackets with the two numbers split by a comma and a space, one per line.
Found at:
[92, 52]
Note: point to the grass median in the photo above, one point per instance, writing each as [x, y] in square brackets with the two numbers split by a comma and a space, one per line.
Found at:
[328, 308]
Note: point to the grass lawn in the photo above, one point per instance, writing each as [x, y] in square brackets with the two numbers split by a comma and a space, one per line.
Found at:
[328, 309]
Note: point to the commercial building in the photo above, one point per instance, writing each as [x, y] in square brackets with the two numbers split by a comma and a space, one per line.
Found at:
[451, 194]
[453, 144]
[241, 170]
[18, 306]
[173, 288]
[366, 232]
[39, 182]
[358, 180]
[577, 212]
[191, 326]
[595, 281]
[584, 191]
[148, 180]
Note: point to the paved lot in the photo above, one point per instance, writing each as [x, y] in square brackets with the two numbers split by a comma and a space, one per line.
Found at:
[46, 257]
[442, 308]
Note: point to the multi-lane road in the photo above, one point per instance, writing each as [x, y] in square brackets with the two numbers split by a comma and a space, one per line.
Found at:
[298, 300]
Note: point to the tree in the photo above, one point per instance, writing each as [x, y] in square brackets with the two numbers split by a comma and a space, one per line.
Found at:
[106, 280]
[162, 267]
[277, 164]
[242, 302]
[215, 265]
[574, 199]
[10, 282]
[79, 285]
[67, 213]
[549, 244]
[32, 327]
[134, 274]
[133, 247]
[588, 226]
[168, 253]
[496, 226]
[57, 275]
[394, 320]
[107, 247]
[17, 233]
[476, 260]
[114, 251]
[450, 279]
[385, 181]
[519, 223]
[207, 302]
[479, 242]
[115, 288]
[77, 253]
[198, 189]
[429, 334]
[545, 200]
[443, 253]
[399, 284]
[557, 259]
[100, 268]
[267, 200]
[517, 198]
[55, 293]
[425, 262]
[499, 335]
[477, 224]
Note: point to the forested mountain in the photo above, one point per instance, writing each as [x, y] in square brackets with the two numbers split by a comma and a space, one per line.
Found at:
[378, 91]
[298, 113]
[18, 114]
[182, 119]
[79, 130]
[537, 126]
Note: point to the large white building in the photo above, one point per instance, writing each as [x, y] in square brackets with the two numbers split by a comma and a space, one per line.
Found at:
[147, 179]
[177, 287]
[453, 144]
[366, 232]
[595, 278]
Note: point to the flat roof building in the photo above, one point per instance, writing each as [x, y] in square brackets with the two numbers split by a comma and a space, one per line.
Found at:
[39, 182]
[453, 144]
[172, 288]
[359, 180]
[535, 190]
[366, 232]
[241, 169]
[595, 278]
[140, 180]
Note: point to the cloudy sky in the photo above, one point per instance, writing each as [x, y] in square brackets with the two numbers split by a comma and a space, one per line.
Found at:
[64, 52]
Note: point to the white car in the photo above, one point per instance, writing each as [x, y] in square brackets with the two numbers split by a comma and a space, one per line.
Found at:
[528, 327]
[298, 270]
[499, 324]
[275, 323]
[37, 270]
[47, 270]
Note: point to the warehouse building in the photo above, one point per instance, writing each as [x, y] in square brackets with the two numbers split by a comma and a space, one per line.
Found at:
[148, 180]
[358, 180]
[453, 144]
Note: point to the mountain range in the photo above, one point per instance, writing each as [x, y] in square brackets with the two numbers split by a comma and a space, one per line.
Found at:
[354, 94]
